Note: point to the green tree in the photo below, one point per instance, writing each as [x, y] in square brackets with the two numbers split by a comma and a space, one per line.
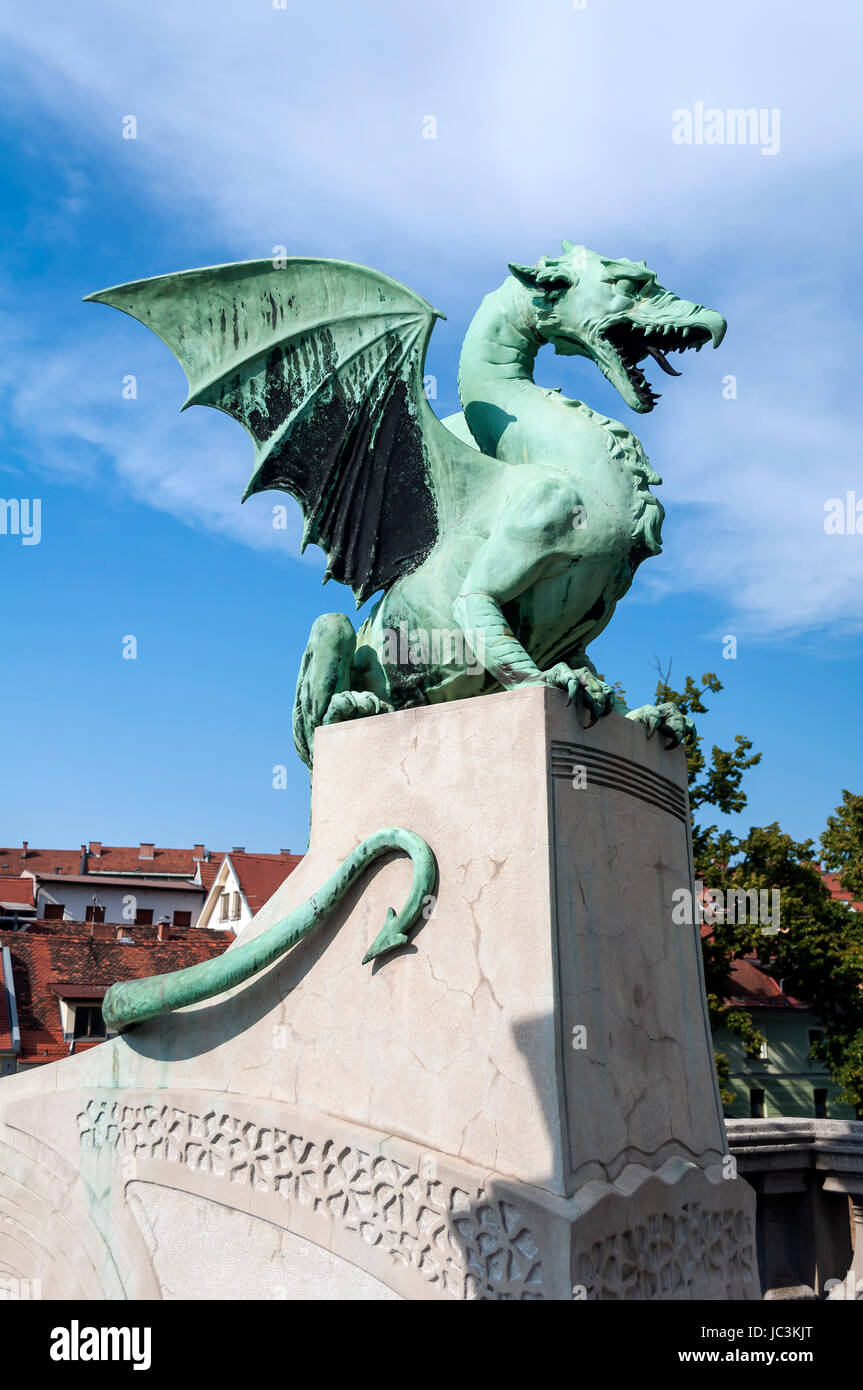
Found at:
[717, 781]
[817, 954]
[714, 783]
[841, 1047]
[842, 844]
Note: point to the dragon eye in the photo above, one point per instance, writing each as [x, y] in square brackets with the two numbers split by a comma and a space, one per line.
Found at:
[629, 285]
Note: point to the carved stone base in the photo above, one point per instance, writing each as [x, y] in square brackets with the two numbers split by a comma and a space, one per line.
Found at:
[518, 1105]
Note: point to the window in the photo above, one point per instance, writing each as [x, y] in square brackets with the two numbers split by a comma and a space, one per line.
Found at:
[764, 1051]
[143, 916]
[95, 913]
[814, 1035]
[756, 1103]
[235, 906]
[88, 1021]
[7, 1066]
[224, 907]
[53, 912]
[182, 919]
[819, 1099]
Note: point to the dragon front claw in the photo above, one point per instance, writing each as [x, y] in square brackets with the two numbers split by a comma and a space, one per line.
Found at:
[355, 704]
[672, 723]
[583, 685]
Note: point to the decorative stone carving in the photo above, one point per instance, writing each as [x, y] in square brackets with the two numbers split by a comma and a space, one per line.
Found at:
[668, 1256]
[604, 769]
[469, 1245]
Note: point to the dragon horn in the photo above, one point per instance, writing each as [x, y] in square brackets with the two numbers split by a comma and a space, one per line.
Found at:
[525, 273]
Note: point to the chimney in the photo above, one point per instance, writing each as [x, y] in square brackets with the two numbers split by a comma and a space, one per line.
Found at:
[238, 849]
[96, 849]
[120, 931]
[23, 849]
[147, 851]
[198, 851]
[160, 929]
[284, 851]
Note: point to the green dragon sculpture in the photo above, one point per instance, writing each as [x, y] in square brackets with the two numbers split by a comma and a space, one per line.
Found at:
[500, 539]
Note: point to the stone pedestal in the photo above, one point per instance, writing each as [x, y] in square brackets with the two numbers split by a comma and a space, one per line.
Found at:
[519, 1104]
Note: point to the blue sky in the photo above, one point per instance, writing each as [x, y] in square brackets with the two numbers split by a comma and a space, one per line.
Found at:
[303, 127]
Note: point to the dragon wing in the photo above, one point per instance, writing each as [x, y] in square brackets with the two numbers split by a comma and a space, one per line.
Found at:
[322, 361]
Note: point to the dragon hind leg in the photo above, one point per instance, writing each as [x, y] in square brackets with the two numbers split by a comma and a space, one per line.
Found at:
[325, 671]
[327, 685]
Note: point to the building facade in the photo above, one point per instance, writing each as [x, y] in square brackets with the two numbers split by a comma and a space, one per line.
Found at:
[239, 886]
[784, 1080]
[137, 884]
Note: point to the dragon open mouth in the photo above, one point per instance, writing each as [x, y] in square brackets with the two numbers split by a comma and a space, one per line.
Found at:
[632, 342]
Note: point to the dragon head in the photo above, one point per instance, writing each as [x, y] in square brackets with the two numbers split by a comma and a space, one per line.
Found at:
[615, 313]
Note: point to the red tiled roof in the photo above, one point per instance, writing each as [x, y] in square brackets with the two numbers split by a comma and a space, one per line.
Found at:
[12, 860]
[50, 955]
[209, 869]
[834, 887]
[16, 890]
[260, 875]
[113, 859]
[752, 988]
[108, 931]
[124, 859]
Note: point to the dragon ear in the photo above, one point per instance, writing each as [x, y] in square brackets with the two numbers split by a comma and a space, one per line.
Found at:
[527, 274]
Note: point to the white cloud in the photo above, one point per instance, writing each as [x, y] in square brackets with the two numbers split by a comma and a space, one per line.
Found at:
[553, 120]
[70, 407]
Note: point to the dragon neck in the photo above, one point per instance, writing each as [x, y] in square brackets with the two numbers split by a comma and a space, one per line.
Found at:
[495, 372]
[516, 421]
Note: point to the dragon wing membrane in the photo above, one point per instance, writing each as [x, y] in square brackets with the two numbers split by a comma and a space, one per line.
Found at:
[322, 362]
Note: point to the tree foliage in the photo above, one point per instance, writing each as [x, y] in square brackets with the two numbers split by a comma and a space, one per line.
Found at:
[717, 782]
[842, 844]
[817, 954]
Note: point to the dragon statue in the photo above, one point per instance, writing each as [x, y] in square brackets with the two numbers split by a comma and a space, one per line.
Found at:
[500, 539]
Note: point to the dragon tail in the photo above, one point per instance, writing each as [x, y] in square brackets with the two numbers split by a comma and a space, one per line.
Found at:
[135, 1001]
